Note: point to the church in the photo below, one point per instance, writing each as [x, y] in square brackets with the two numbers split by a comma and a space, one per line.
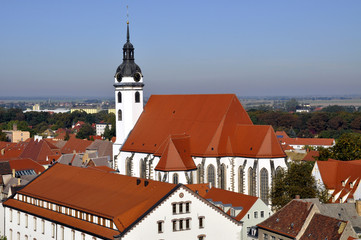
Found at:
[191, 139]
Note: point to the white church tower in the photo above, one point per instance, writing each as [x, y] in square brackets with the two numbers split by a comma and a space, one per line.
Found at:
[128, 96]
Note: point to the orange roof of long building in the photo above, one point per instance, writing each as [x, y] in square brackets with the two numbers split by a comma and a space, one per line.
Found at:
[229, 197]
[104, 194]
[217, 125]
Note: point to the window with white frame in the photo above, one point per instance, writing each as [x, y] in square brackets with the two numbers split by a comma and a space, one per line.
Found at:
[26, 220]
[18, 218]
[34, 223]
[42, 226]
[72, 235]
[201, 222]
[53, 230]
[11, 215]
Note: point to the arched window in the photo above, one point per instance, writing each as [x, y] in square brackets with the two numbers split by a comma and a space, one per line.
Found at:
[223, 176]
[175, 178]
[264, 185]
[199, 173]
[128, 167]
[210, 175]
[137, 97]
[119, 97]
[240, 179]
[142, 169]
[279, 170]
[120, 115]
[251, 182]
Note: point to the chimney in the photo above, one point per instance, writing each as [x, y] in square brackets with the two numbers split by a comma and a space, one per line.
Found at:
[15, 127]
[19, 181]
[13, 172]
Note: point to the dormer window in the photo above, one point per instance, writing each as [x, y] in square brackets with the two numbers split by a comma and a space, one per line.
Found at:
[343, 183]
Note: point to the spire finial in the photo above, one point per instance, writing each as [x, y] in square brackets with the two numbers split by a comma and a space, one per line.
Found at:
[127, 25]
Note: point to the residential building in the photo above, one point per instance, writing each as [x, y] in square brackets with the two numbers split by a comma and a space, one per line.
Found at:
[100, 128]
[17, 135]
[341, 179]
[67, 202]
[303, 220]
[302, 143]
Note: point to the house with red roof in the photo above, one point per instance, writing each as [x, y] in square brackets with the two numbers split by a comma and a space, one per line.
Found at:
[39, 151]
[301, 143]
[67, 202]
[201, 139]
[341, 179]
[248, 209]
[303, 220]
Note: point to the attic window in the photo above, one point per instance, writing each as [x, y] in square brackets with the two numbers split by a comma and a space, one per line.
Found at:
[132, 143]
[343, 183]
[212, 149]
[173, 111]
[251, 148]
[155, 145]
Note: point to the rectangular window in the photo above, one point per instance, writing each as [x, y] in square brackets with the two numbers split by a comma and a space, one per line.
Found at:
[174, 222]
[188, 223]
[11, 215]
[42, 226]
[160, 226]
[18, 218]
[62, 233]
[34, 223]
[180, 207]
[255, 214]
[83, 236]
[262, 214]
[26, 220]
[72, 235]
[181, 224]
[187, 207]
[273, 237]
[174, 206]
[201, 222]
[52, 230]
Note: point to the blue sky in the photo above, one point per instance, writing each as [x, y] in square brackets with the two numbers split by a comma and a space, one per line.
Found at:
[251, 48]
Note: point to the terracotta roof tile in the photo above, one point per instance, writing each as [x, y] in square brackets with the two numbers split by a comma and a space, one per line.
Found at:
[209, 120]
[26, 164]
[75, 144]
[201, 189]
[308, 141]
[39, 151]
[322, 227]
[236, 199]
[311, 156]
[176, 155]
[101, 193]
[289, 220]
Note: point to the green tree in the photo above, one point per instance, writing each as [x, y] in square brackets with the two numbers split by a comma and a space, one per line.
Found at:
[297, 180]
[85, 131]
[107, 133]
[3, 137]
[347, 147]
[291, 105]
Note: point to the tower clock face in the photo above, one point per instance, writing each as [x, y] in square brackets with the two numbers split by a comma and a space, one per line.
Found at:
[119, 77]
[137, 76]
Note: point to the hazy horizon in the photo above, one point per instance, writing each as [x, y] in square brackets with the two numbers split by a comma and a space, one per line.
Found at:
[262, 48]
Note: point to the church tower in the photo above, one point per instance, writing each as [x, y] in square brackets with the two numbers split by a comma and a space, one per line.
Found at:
[128, 96]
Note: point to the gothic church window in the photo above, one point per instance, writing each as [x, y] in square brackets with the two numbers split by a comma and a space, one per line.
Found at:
[128, 167]
[119, 97]
[142, 168]
[199, 173]
[137, 97]
[120, 115]
[251, 182]
[264, 185]
[210, 175]
[175, 178]
[223, 176]
[240, 179]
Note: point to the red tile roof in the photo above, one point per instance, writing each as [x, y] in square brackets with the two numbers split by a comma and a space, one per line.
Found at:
[289, 220]
[308, 141]
[104, 194]
[26, 164]
[322, 227]
[214, 123]
[39, 151]
[12, 151]
[75, 144]
[338, 175]
[175, 156]
[311, 156]
[201, 189]
[236, 199]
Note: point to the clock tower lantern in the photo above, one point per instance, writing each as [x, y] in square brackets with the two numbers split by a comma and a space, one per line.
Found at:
[128, 96]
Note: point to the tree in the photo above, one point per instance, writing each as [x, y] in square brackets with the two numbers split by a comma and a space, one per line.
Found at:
[85, 131]
[297, 180]
[291, 105]
[348, 147]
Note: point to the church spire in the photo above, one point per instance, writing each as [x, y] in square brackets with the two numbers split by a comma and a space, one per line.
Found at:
[128, 32]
